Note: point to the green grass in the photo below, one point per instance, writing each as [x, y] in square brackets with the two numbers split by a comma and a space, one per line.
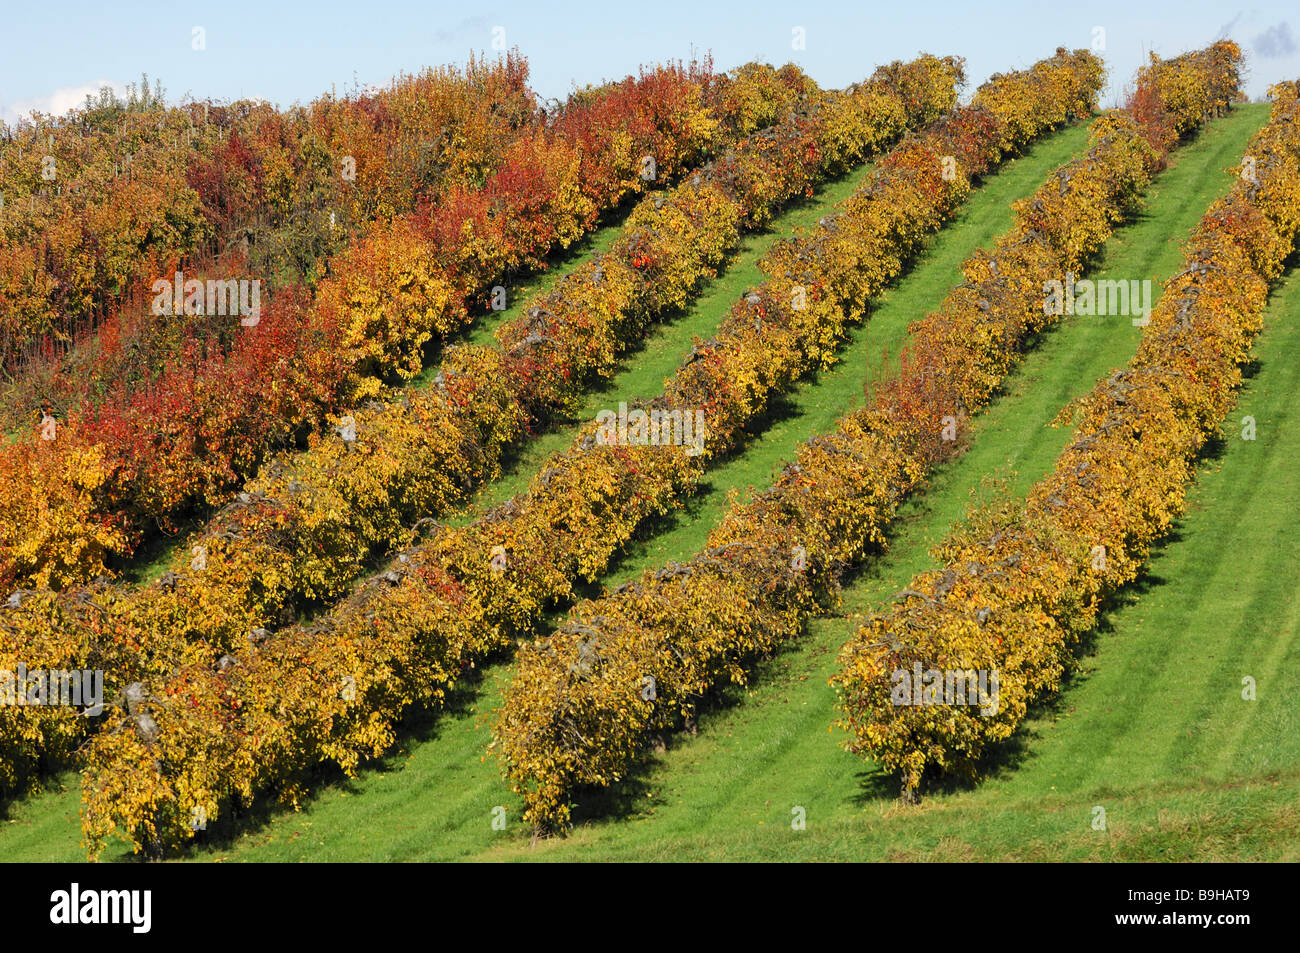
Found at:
[523, 287]
[1153, 729]
[983, 217]
[644, 370]
[160, 550]
[665, 345]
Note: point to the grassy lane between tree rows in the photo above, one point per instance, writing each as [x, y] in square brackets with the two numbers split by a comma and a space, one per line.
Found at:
[725, 792]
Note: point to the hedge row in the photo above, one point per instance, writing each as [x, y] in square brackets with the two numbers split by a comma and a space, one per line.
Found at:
[181, 439]
[587, 700]
[1022, 582]
[97, 200]
[304, 527]
[60, 524]
[334, 691]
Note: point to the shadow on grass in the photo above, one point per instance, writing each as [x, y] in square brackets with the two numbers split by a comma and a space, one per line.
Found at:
[154, 555]
[633, 795]
[48, 778]
[620, 798]
[699, 499]
[418, 725]
[1011, 755]
[516, 457]
[626, 795]
[484, 320]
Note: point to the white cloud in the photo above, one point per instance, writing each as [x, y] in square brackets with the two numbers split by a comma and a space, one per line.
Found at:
[1275, 42]
[464, 27]
[56, 103]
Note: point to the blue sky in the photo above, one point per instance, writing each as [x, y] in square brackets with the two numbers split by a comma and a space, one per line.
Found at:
[55, 52]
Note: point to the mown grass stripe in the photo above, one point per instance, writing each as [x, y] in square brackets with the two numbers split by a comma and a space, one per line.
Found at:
[464, 741]
[657, 355]
[760, 755]
[826, 397]
[437, 804]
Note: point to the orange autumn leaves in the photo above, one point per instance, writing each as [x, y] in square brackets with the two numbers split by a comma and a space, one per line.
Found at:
[1022, 582]
[442, 604]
